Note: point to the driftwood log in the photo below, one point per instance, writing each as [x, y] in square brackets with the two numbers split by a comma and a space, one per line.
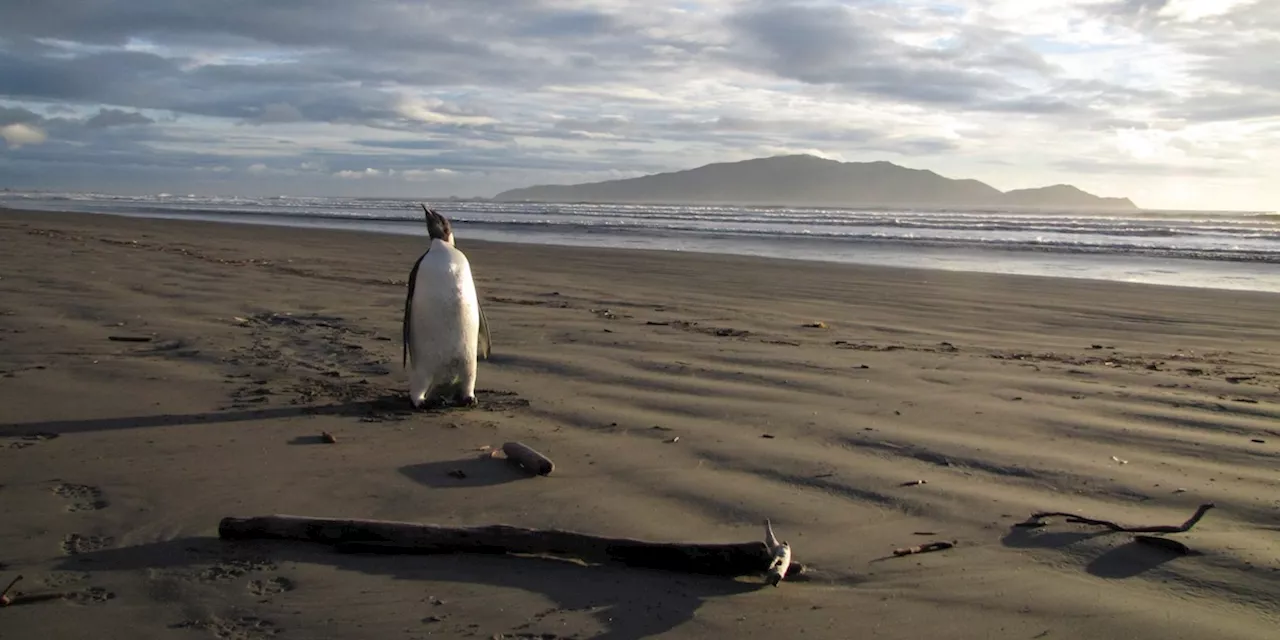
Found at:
[382, 536]
[531, 460]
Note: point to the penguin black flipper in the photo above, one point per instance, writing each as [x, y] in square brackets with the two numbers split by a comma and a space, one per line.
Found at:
[482, 339]
[407, 322]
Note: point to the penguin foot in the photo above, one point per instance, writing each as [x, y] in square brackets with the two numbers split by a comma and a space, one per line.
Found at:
[439, 403]
[427, 404]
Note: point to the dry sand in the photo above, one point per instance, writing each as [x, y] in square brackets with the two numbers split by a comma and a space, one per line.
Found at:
[1007, 395]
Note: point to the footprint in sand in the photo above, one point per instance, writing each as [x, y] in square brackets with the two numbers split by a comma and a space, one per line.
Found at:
[234, 568]
[59, 579]
[270, 587]
[78, 543]
[83, 497]
[90, 596]
[29, 440]
[242, 628]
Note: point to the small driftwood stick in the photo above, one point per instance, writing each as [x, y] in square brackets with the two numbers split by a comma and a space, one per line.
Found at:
[382, 536]
[528, 458]
[5, 600]
[1034, 521]
[130, 338]
[31, 598]
[923, 548]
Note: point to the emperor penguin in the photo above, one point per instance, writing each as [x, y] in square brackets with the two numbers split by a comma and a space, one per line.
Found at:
[444, 326]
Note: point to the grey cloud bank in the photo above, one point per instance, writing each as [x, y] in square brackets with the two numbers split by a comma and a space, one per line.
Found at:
[1174, 103]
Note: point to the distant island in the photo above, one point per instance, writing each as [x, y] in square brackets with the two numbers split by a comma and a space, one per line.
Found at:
[806, 180]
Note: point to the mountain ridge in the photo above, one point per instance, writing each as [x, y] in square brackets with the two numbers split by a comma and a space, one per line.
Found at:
[807, 180]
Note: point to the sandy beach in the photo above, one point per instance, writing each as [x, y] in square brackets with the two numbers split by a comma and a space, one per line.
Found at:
[682, 397]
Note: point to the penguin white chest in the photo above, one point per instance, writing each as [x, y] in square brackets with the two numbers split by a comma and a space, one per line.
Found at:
[442, 328]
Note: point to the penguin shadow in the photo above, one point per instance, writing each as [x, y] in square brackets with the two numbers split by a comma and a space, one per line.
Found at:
[382, 407]
[465, 473]
[505, 358]
[628, 603]
[65, 427]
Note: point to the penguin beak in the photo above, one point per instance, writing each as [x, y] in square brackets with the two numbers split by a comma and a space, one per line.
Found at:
[437, 224]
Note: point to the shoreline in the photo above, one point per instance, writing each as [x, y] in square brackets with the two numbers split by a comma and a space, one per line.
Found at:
[923, 269]
[683, 397]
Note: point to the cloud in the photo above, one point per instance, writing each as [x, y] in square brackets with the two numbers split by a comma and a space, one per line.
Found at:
[435, 111]
[853, 48]
[841, 46]
[276, 113]
[18, 115]
[348, 174]
[17, 134]
[1151, 169]
[116, 118]
[388, 97]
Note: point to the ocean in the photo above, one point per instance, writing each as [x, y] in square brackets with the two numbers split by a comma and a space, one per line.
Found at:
[1225, 250]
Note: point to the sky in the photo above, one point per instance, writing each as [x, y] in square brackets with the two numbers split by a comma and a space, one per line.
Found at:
[1173, 103]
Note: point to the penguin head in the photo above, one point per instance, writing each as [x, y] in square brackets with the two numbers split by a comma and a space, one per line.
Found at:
[437, 226]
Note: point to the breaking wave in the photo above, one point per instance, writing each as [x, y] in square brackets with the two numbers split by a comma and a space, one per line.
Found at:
[1223, 236]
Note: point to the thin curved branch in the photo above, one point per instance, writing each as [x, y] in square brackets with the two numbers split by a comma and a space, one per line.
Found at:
[1035, 521]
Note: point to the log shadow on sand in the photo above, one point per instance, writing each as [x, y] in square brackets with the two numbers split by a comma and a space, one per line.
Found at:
[1129, 560]
[463, 474]
[1125, 561]
[628, 603]
[1033, 538]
